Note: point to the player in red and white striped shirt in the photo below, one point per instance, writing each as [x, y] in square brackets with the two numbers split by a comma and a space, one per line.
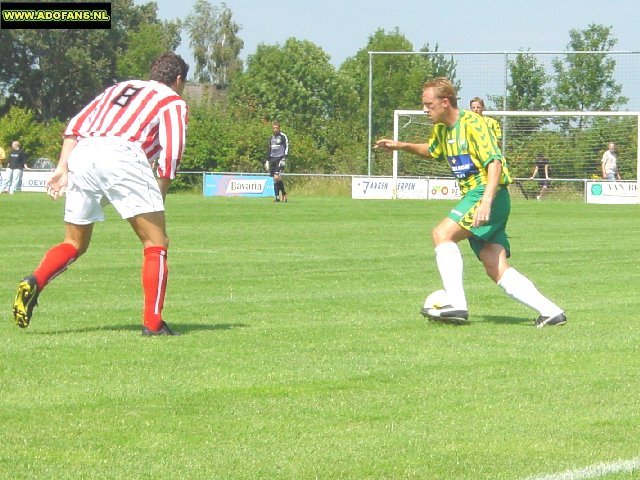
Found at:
[107, 156]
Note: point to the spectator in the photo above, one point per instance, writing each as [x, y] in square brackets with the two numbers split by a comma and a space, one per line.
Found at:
[610, 164]
[2, 157]
[541, 169]
[15, 166]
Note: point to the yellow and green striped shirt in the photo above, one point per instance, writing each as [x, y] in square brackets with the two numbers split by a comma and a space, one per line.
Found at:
[469, 146]
[494, 126]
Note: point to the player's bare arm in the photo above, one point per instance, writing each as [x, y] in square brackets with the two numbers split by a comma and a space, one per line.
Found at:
[164, 184]
[483, 212]
[420, 149]
[58, 180]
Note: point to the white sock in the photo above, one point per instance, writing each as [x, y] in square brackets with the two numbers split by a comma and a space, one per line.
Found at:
[449, 261]
[523, 290]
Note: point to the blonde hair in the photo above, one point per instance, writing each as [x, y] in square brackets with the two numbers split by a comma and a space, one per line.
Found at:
[443, 88]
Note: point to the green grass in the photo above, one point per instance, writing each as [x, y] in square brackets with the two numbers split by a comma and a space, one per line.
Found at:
[304, 356]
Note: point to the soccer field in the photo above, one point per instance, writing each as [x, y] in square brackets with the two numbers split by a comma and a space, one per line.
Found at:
[304, 355]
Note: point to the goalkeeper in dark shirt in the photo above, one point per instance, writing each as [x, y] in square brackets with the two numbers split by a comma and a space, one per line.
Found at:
[276, 160]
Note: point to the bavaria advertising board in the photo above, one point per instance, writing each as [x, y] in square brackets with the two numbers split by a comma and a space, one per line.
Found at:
[238, 185]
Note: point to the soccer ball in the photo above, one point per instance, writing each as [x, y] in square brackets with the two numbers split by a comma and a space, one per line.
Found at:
[437, 299]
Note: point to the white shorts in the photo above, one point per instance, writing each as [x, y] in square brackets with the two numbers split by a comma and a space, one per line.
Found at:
[107, 170]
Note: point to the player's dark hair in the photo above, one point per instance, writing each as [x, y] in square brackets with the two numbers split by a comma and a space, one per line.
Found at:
[167, 67]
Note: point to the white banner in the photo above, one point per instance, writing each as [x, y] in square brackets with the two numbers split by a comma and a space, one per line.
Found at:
[382, 188]
[413, 188]
[32, 180]
[379, 188]
[611, 192]
[444, 189]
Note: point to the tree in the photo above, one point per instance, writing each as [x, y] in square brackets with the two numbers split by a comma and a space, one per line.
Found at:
[586, 81]
[527, 85]
[145, 45]
[526, 90]
[441, 66]
[55, 72]
[38, 140]
[295, 83]
[397, 79]
[215, 43]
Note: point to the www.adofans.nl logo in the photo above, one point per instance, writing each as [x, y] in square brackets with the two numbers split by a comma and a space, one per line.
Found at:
[22, 15]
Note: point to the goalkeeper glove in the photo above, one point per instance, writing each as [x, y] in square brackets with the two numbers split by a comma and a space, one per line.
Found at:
[266, 165]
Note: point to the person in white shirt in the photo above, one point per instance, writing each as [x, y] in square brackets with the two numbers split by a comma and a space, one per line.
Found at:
[610, 164]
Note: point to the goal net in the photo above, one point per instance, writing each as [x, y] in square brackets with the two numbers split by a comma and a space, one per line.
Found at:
[572, 142]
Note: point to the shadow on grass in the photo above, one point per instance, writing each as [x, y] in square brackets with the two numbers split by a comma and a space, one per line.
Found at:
[498, 319]
[183, 328]
[505, 320]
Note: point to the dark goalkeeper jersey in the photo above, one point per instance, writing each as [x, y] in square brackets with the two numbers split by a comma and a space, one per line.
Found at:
[278, 146]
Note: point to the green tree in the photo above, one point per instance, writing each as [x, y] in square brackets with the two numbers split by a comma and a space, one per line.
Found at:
[527, 84]
[296, 84]
[586, 81]
[38, 139]
[441, 66]
[526, 90]
[55, 72]
[397, 78]
[215, 43]
[144, 45]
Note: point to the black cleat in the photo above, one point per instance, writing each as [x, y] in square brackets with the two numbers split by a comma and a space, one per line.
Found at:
[165, 330]
[26, 300]
[446, 314]
[559, 319]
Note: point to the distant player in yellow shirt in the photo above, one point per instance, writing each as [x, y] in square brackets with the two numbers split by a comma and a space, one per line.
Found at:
[477, 106]
[463, 139]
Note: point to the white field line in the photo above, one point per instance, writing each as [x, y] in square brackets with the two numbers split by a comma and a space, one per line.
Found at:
[592, 471]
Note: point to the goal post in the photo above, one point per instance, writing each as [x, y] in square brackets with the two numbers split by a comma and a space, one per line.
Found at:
[572, 141]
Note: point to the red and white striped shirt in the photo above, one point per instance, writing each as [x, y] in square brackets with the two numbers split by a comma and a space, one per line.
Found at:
[147, 113]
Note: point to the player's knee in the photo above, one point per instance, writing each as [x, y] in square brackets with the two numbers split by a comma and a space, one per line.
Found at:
[162, 242]
[439, 235]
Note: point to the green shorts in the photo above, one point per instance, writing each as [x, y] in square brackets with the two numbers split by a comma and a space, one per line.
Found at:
[494, 231]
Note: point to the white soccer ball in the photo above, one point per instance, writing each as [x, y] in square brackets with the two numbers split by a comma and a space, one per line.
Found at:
[437, 299]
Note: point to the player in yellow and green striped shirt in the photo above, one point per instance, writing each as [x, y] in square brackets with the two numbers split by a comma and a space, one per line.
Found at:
[463, 139]
[477, 106]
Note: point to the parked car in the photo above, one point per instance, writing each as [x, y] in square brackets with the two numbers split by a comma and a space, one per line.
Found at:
[43, 163]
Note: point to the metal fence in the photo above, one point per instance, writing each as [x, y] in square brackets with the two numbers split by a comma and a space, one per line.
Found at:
[487, 75]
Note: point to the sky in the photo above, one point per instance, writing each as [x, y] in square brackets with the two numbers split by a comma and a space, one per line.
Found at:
[342, 27]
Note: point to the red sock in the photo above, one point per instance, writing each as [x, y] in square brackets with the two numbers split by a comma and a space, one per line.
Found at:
[154, 284]
[54, 262]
